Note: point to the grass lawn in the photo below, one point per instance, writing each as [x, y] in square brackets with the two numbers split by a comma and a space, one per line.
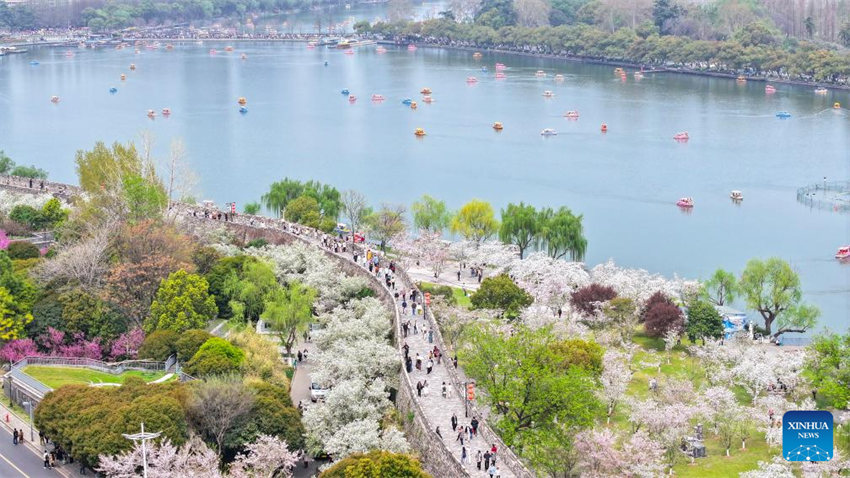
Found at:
[55, 377]
[462, 300]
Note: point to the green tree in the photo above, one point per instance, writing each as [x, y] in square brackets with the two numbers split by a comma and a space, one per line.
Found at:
[90, 315]
[159, 345]
[272, 414]
[773, 289]
[386, 223]
[475, 221]
[501, 293]
[252, 208]
[23, 250]
[6, 163]
[376, 464]
[145, 198]
[12, 324]
[703, 321]
[89, 421]
[251, 290]
[326, 196]
[304, 210]
[280, 194]
[520, 226]
[527, 386]
[205, 258]
[26, 216]
[29, 172]
[843, 35]
[579, 353]
[721, 288]
[562, 233]
[216, 357]
[288, 312]
[182, 302]
[189, 342]
[52, 214]
[430, 214]
[664, 14]
[828, 367]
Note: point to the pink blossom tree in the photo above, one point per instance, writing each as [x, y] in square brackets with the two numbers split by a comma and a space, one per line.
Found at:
[126, 346]
[193, 459]
[268, 457]
[17, 349]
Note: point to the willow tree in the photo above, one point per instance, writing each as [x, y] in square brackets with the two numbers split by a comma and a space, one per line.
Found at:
[430, 214]
[288, 312]
[475, 221]
[521, 226]
[773, 289]
[562, 233]
[280, 194]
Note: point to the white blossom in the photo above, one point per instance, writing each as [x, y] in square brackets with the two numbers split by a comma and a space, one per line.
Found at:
[778, 468]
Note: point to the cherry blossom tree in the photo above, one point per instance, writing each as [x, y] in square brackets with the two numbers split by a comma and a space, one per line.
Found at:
[778, 468]
[671, 338]
[365, 359]
[193, 459]
[597, 451]
[615, 378]
[642, 456]
[549, 281]
[266, 457]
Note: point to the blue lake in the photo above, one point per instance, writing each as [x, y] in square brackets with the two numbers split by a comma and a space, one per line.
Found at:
[625, 182]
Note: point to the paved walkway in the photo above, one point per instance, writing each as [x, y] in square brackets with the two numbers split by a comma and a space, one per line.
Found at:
[25, 460]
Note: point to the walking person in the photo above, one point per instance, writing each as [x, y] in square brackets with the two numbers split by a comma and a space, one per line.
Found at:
[454, 417]
[474, 424]
[46, 460]
[464, 459]
[492, 471]
[430, 366]
[419, 389]
[487, 460]
[460, 436]
[478, 460]
[14, 436]
[438, 432]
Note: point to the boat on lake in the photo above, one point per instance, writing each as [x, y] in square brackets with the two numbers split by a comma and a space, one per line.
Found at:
[166, 112]
[500, 75]
[54, 99]
[419, 132]
[477, 55]
[411, 47]
[783, 115]
[377, 97]
[352, 98]
[843, 253]
[548, 132]
[548, 94]
[682, 136]
[243, 109]
[471, 79]
[820, 90]
[685, 202]
[604, 128]
[540, 74]
[498, 126]
[425, 91]
[427, 99]
[741, 79]
[242, 101]
[836, 105]
[572, 114]
[769, 89]
[151, 114]
[406, 101]
[559, 77]
[736, 195]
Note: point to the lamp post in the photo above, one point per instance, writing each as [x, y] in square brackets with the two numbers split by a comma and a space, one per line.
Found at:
[142, 437]
[29, 409]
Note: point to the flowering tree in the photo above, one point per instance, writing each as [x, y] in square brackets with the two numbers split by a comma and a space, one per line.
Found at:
[126, 346]
[15, 350]
[615, 378]
[549, 281]
[365, 359]
[193, 459]
[778, 468]
[267, 457]
[598, 455]
[671, 338]
[642, 456]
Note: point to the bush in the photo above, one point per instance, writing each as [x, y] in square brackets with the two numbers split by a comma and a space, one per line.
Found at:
[23, 250]
[587, 300]
[273, 414]
[216, 357]
[26, 216]
[257, 243]
[189, 342]
[376, 464]
[159, 345]
[501, 293]
[89, 421]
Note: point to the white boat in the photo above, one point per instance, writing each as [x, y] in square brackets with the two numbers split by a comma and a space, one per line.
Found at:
[548, 132]
[736, 195]
[548, 94]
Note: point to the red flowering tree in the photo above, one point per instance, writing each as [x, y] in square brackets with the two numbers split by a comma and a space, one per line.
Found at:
[590, 298]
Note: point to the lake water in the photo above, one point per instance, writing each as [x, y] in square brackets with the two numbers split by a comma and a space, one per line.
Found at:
[625, 182]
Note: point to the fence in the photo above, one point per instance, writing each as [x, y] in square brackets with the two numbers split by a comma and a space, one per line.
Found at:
[115, 368]
[828, 195]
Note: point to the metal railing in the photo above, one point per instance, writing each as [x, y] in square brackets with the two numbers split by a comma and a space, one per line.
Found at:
[115, 368]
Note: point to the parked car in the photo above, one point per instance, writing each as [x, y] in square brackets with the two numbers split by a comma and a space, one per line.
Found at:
[317, 392]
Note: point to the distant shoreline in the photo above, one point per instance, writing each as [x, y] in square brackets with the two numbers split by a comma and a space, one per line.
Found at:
[571, 58]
